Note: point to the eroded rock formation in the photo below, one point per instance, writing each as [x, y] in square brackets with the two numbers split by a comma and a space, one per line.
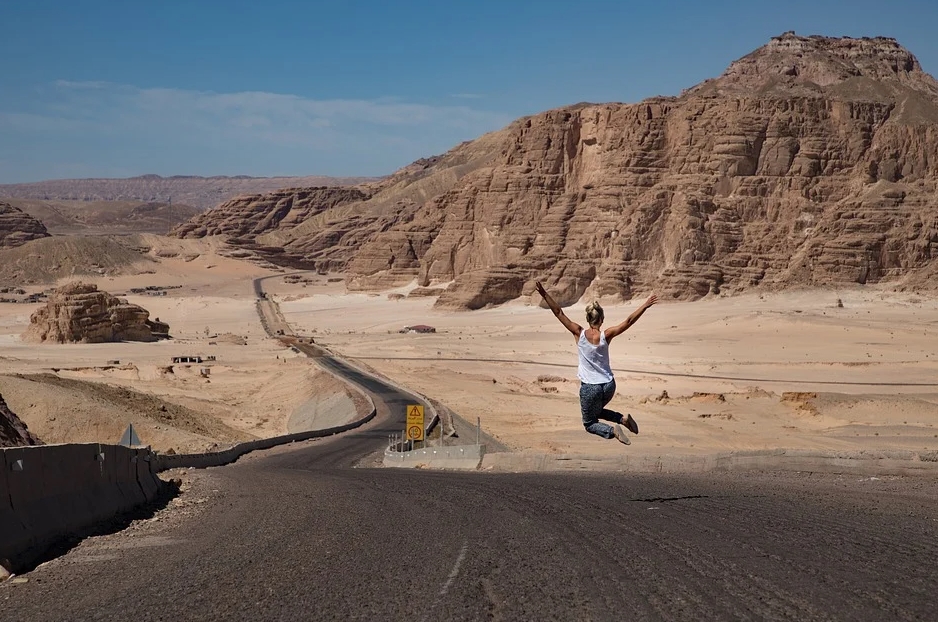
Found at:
[17, 227]
[13, 432]
[79, 313]
[810, 161]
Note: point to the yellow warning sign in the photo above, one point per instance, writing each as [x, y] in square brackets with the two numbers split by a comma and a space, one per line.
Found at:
[415, 422]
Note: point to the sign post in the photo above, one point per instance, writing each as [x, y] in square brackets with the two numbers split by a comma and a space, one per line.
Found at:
[415, 422]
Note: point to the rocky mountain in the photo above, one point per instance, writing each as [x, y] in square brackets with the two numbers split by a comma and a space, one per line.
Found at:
[199, 192]
[18, 227]
[13, 432]
[79, 313]
[811, 161]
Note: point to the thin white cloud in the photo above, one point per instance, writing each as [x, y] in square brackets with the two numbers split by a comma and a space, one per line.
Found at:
[256, 110]
[246, 127]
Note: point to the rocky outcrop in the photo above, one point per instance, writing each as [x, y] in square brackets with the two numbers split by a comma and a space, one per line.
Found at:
[324, 228]
[17, 227]
[13, 432]
[250, 216]
[79, 313]
[811, 161]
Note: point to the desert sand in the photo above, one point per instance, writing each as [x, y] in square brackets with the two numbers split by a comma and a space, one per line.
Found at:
[848, 369]
[739, 372]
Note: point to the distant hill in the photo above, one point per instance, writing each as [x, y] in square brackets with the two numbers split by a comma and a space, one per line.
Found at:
[112, 217]
[199, 192]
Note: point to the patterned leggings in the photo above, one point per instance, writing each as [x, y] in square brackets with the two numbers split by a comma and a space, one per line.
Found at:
[593, 399]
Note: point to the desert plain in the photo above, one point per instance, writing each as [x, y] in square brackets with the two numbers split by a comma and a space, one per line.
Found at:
[847, 369]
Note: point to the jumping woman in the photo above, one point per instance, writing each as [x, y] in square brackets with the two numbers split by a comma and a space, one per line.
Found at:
[597, 384]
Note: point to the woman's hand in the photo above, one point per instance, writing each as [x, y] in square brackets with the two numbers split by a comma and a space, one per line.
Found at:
[540, 289]
[651, 300]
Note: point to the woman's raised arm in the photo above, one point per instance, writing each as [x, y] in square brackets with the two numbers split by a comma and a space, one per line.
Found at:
[570, 325]
[624, 326]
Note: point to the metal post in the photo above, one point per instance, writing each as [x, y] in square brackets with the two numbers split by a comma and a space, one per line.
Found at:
[478, 430]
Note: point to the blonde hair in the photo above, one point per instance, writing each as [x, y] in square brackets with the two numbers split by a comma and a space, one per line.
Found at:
[594, 314]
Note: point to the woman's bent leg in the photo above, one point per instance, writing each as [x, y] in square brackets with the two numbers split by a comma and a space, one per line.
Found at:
[609, 389]
[591, 407]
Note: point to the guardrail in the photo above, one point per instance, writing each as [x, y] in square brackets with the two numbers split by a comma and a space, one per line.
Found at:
[227, 456]
[53, 491]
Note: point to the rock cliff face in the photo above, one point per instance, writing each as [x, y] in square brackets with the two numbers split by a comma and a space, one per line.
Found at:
[79, 313]
[810, 161]
[17, 227]
[13, 432]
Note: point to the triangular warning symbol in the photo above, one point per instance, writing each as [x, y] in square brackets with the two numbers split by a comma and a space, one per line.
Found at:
[414, 411]
[130, 438]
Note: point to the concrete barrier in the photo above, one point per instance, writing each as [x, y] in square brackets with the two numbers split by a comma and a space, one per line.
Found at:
[51, 492]
[14, 535]
[164, 462]
[146, 475]
[452, 457]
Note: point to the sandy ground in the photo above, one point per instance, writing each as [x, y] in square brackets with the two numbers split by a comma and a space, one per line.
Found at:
[791, 370]
[788, 370]
[255, 387]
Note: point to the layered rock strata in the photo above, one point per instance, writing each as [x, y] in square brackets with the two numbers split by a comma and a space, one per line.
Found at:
[17, 227]
[80, 313]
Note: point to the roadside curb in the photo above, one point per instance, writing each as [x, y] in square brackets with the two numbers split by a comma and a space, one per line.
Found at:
[885, 462]
[452, 457]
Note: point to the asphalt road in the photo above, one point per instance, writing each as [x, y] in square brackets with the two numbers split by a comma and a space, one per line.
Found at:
[299, 535]
[314, 532]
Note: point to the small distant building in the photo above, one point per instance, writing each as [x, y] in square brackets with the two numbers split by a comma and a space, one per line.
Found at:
[419, 328]
[114, 362]
[187, 359]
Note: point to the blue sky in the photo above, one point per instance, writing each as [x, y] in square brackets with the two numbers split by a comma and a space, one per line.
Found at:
[114, 89]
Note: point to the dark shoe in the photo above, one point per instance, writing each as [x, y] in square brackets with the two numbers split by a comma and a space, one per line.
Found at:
[620, 435]
[631, 425]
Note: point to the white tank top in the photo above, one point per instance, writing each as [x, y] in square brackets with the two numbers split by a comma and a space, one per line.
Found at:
[594, 360]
